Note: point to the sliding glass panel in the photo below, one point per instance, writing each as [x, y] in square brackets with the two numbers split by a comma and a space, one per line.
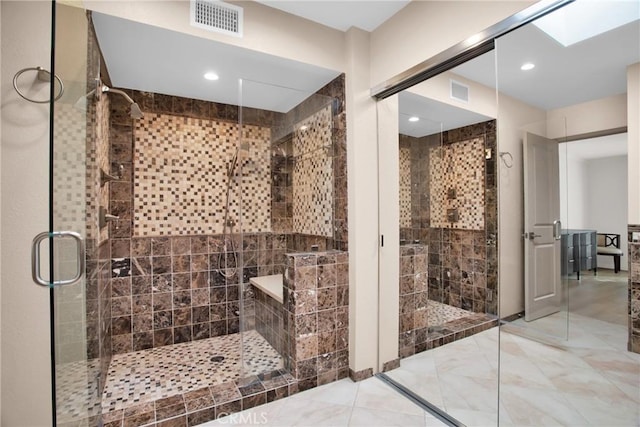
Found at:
[448, 342]
[562, 85]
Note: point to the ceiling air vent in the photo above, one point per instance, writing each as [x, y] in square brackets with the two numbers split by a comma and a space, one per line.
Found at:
[459, 91]
[217, 16]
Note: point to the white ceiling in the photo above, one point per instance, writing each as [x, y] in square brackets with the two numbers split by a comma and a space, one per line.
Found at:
[597, 148]
[153, 59]
[341, 15]
[157, 60]
[434, 116]
[563, 76]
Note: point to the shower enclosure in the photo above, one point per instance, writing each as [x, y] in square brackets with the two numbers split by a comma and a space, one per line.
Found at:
[185, 205]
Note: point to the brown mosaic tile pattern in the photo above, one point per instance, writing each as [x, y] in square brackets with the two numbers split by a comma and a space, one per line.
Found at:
[634, 290]
[152, 375]
[180, 176]
[205, 403]
[313, 175]
[405, 187]
[457, 172]
[75, 394]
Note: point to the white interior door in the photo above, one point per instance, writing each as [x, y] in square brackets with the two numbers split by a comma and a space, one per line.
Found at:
[543, 294]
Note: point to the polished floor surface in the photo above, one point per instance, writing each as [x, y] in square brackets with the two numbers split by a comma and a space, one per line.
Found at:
[588, 380]
[343, 403]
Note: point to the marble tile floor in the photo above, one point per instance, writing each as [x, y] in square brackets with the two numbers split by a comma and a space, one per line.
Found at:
[343, 403]
[589, 380]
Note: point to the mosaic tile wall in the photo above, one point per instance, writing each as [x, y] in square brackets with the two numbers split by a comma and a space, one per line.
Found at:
[313, 175]
[462, 263]
[315, 300]
[283, 165]
[174, 293]
[405, 187]
[261, 253]
[634, 290]
[180, 176]
[457, 183]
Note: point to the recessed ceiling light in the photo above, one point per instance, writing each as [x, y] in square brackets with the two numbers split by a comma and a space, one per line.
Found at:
[304, 127]
[211, 76]
[414, 119]
[528, 66]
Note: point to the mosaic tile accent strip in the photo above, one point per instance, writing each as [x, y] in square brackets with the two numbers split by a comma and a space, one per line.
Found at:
[149, 375]
[405, 187]
[457, 184]
[69, 173]
[180, 176]
[313, 175]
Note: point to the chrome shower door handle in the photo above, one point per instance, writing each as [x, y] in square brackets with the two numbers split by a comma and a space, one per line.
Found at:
[557, 229]
[35, 258]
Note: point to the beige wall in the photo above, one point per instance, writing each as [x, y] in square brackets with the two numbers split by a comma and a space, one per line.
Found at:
[363, 205]
[26, 398]
[588, 117]
[266, 30]
[633, 143]
[482, 99]
[423, 29]
[389, 193]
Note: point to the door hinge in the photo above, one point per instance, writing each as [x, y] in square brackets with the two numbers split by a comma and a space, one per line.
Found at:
[382, 240]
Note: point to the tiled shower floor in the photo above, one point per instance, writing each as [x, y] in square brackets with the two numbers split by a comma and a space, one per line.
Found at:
[154, 374]
[439, 313]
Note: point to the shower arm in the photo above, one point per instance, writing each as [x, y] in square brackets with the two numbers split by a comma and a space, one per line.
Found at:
[118, 91]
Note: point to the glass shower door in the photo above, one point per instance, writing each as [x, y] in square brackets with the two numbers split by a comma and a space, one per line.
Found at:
[75, 186]
[291, 176]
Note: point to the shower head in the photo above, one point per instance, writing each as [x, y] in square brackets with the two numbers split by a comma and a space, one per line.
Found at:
[136, 112]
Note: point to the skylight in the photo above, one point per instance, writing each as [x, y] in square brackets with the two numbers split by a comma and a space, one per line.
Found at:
[584, 19]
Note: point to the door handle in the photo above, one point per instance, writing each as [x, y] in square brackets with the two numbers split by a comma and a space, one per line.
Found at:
[557, 229]
[35, 258]
[530, 235]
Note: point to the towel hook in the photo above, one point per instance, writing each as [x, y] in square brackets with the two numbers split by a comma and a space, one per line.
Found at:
[43, 76]
[507, 162]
